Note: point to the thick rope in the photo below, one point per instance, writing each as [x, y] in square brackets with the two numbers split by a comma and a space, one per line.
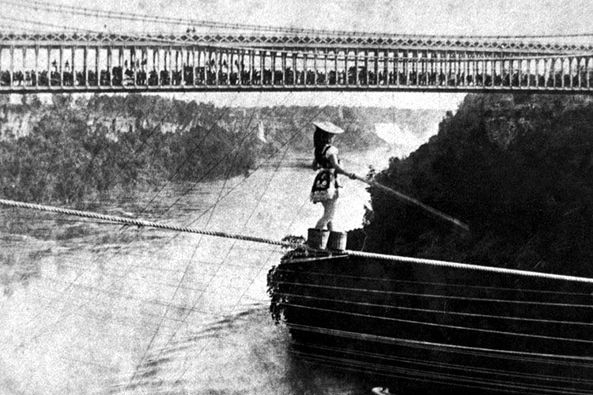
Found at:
[360, 254]
[440, 284]
[144, 223]
[467, 266]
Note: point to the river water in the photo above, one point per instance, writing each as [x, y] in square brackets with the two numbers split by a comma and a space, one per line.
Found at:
[95, 308]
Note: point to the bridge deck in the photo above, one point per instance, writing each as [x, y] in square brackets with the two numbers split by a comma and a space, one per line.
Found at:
[290, 88]
[116, 67]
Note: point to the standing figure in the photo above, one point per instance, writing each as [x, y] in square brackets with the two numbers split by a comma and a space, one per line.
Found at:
[325, 186]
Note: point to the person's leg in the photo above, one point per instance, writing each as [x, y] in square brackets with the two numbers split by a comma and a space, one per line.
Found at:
[322, 221]
[329, 209]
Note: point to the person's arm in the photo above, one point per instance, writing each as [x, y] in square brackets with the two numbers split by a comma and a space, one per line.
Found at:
[333, 159]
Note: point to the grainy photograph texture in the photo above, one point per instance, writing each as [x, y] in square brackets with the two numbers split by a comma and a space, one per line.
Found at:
[296, 197]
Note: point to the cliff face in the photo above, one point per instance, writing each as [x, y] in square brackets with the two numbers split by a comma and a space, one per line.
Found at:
[120, 114]
[18, 121]
[71, 148]
[518, 169]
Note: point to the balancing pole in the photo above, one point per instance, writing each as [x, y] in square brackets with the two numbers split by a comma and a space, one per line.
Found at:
[415, 202]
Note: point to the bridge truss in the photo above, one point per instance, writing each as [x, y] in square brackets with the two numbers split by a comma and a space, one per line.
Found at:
[97, 62]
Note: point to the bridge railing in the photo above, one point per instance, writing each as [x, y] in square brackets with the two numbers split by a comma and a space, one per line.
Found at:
[91, 68]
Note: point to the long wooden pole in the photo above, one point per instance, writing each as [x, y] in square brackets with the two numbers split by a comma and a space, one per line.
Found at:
[415, 202]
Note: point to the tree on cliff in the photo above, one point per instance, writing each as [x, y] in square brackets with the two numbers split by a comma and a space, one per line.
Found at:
[518, 169]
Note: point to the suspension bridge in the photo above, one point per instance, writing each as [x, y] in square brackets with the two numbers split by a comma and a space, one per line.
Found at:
[89, 62]
[236, 57]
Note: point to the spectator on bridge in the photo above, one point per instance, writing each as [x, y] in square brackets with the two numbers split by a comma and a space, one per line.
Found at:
[325, 186]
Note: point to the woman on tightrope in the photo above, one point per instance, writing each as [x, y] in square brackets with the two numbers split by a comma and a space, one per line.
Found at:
[325, 186]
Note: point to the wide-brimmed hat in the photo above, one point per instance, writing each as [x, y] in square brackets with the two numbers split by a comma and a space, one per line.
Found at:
[329, 127]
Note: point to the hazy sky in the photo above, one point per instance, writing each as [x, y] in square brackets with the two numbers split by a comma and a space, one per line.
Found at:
[402, 16]
[475, 17]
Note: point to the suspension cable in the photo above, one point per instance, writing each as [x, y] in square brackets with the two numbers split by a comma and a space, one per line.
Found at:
[451, 379]
[446, 365]
[569, 360]
[130, 16]
[247, 221]
[219, 266]
[223, 112]
[436, 296]
[434, 284]
[431, 311]
[437, 325]
[294, 218]
[298, 52]
[275, 152]
[124, 295]
[163, 39]
[289, 52]
[214, 164]
[405, 377]
[83, 30]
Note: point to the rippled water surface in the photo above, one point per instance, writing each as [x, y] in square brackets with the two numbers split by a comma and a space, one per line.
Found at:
[101, 309]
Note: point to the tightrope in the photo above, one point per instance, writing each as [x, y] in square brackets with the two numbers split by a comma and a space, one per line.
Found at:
[468, 266]
[144, 223]
[262, 240]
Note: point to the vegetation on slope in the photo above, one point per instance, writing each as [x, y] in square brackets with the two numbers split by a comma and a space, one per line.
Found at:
[70, 150]
[518, 169]
[67, 156]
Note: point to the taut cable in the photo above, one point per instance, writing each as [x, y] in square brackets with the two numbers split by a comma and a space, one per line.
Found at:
[289, 244]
